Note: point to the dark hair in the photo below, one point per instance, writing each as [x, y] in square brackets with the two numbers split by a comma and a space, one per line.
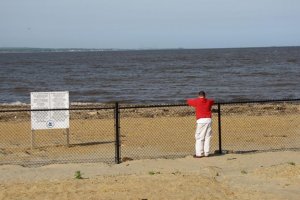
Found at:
[202, 93]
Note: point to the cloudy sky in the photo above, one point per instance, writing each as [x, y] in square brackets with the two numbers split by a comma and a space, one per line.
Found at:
[149, 23]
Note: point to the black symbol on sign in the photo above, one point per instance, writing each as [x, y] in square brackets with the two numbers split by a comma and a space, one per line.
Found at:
[50, 124]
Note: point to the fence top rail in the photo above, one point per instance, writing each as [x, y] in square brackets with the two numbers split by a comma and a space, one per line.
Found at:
[148, 106]
[259, 101]
[152, 106]
[216, 103]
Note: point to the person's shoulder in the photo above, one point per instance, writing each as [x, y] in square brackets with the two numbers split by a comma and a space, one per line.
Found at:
[211, 100]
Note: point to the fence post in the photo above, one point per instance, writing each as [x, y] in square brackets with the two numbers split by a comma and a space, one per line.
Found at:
[32, 139]
[219, 128]
[117, 133]
[68, 137]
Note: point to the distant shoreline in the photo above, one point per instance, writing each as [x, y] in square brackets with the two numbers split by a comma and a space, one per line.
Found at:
[54, 50]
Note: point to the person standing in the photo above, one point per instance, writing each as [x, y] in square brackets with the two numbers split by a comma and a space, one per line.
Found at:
[203, 133]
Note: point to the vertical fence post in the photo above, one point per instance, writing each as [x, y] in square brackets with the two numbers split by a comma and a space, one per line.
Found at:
[68, 137]
[117, 133]
[219, 128]
[32, 139]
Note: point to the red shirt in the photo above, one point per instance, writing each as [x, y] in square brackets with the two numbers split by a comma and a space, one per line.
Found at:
[202, 106]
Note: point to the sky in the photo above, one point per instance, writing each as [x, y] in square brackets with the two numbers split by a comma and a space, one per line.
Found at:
[149, 24]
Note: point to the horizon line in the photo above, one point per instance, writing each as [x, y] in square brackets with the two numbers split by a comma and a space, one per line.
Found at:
[163, 48]
[128, 49]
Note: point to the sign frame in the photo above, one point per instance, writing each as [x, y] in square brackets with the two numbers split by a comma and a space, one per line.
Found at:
[49, 119]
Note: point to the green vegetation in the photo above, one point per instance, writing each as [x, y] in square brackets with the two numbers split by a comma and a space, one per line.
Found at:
[78, 175]
[153, 173]
[292, 163]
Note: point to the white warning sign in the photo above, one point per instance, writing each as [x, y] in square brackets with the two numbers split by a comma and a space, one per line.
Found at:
[57, 119]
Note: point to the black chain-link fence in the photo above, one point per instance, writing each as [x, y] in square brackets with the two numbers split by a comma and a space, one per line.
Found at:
[114, 133]
[263, 126]
[159, 132]
[89, 138]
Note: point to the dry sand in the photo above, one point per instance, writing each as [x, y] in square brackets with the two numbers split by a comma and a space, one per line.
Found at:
[272, 175]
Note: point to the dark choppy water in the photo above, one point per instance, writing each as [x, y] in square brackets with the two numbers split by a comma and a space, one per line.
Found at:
[153, 76]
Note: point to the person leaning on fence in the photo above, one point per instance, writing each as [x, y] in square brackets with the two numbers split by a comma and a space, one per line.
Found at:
[203, 130]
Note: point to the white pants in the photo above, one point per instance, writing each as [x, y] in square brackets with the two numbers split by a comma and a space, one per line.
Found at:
[203, 136]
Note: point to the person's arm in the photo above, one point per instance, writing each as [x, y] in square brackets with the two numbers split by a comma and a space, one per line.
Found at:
[191, 102]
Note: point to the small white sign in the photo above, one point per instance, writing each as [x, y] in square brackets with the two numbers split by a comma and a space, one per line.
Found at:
[49, 119]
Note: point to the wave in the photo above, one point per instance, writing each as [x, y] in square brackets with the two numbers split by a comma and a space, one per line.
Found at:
[16, 103]
[50, 50]
[19, 103]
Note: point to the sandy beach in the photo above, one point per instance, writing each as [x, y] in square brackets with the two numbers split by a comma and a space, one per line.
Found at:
[40, 173]
[271, 175]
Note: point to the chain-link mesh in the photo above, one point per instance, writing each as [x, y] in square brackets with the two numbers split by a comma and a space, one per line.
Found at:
[260, 126]
[90, 138]
[155, 131]
[160, 132]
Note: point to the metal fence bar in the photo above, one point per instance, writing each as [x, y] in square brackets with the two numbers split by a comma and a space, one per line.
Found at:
[153, 106]
[149, 106]
[259, 101]
[219, 128]
[117, 134]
